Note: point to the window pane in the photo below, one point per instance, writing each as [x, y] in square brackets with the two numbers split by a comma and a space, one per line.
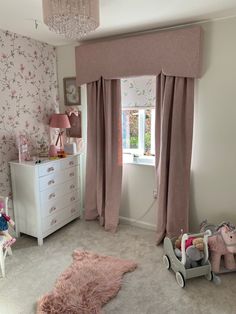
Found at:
[147, 132]
[153, 114]
[130, 129]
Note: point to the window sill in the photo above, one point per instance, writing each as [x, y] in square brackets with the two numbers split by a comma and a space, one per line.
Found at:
[142, 160]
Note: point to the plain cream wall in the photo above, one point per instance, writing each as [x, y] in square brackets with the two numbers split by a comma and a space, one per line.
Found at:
[213, 185]
[66, 68]
[137, 195]
[213, 179]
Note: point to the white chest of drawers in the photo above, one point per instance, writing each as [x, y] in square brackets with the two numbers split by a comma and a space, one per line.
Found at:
[46, 196]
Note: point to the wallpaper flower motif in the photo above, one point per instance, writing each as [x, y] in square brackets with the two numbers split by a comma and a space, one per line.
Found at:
[139, 92]
[29, 95]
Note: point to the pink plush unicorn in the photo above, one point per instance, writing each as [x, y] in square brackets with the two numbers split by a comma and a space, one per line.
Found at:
[223, 242]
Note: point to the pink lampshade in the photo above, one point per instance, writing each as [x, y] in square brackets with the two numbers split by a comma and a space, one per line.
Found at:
[60, 121]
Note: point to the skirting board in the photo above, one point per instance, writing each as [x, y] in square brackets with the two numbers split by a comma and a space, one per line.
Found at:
[137, 223]
[132, 222]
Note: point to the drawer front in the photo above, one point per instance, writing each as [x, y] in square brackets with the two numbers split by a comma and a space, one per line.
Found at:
[48, 168]
[69, 162]
[50, 194]
[71, 173]
[56, 219]
[70, 186]
[53, 220]
[55, 205]
[58, 190]
[51, 180]
[72, 197]
[74, 208]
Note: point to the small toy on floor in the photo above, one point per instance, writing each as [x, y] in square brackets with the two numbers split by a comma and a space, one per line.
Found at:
[4, 221]
[222, 243]
[191, 262]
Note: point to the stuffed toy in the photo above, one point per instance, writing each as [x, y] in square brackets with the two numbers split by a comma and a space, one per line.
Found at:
[189, 242]
[199, 243]
[4, 221]
[193, 256]
[178, 242]
[194, 248]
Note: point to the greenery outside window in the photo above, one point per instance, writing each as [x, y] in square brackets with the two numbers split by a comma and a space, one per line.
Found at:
[138, 131]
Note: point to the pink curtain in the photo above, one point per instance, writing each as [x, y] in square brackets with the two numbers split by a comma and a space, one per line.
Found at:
[104, 153]
[174, 128]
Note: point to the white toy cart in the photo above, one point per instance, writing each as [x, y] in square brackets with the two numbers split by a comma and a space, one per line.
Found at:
[171, 261]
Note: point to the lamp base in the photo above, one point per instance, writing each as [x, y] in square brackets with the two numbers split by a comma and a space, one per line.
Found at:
[61, 153]
[52, 151]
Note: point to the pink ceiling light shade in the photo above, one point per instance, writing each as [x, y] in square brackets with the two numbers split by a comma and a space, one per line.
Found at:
[59, 121]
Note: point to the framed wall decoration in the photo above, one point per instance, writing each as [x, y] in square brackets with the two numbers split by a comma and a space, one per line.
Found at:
[23, 147]
[71, 92]
[75, 122]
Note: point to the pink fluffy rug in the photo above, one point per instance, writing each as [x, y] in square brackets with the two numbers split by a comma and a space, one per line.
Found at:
[91, 281]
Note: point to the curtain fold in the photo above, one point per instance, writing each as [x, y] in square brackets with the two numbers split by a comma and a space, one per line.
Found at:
[104, 153]
[174, 128]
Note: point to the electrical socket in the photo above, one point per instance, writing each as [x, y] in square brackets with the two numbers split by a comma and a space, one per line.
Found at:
[154, 193]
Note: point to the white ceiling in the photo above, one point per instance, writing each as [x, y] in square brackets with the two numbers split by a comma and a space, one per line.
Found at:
[117, 16]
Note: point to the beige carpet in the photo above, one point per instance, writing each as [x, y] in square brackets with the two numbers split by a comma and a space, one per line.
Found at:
[32, 271]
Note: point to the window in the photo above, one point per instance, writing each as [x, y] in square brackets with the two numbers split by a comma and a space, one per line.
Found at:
[138, 116]
[138, 131]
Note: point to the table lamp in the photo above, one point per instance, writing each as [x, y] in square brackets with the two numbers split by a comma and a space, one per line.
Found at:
[59, 121]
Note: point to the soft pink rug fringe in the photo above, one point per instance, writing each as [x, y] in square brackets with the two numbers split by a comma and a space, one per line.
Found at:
[90, 282]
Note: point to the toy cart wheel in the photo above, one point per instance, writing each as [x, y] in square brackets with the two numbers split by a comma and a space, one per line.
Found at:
[166, 261]
[180, 279]
[209, 276]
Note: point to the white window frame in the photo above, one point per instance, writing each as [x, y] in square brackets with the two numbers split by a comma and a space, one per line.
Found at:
[141, 133]
[153, 116]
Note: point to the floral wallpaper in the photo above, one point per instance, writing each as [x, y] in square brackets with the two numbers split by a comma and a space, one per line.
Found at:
[28, 96]
[139, 92]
